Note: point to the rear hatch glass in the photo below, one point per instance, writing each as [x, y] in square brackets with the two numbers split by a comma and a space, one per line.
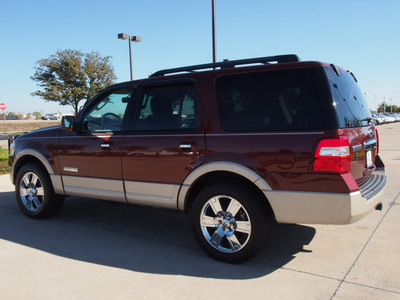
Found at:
[351, 107]
[354, 117]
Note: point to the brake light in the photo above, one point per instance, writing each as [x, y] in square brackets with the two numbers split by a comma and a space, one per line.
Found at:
[333, 155]
[377, 140]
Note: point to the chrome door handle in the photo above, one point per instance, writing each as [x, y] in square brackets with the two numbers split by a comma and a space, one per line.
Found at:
[188, 147]
[185, 146]
[105, 146]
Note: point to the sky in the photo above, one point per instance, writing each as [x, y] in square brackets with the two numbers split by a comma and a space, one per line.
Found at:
[362, 36]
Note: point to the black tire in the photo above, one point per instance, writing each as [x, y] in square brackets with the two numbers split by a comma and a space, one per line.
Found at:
[35, 193]
[230, 222]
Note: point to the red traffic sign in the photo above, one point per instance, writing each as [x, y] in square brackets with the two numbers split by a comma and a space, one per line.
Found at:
[3, 106]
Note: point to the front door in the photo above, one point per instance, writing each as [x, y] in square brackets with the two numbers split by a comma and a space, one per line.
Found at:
[90, 157]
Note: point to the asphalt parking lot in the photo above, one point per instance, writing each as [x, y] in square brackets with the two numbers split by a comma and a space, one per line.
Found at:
[99, 250]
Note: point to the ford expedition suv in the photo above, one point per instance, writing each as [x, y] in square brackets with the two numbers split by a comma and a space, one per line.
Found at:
[239, 145]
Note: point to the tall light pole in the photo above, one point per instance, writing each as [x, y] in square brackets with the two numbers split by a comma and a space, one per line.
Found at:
[213, 32]
[391, 105]
[384, 105]
[125, 36]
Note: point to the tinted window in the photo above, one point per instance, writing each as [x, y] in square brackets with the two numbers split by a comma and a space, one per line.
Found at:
[108, 112]
[168, 107]
[275, 100]
[351, 108]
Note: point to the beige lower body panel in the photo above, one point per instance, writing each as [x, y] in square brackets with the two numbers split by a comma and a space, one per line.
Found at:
[57, 184]
[152, 194]
[133, 192]
[320, 208]
[104, 189]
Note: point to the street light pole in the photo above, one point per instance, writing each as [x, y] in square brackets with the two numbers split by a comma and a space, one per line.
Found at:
[125, 36]
[384, 105]
[130, 58]
[213, 32]
[377, 103]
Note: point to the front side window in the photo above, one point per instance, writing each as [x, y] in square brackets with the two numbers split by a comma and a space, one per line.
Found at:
[274, 100]
[166, 108]
[108, 113]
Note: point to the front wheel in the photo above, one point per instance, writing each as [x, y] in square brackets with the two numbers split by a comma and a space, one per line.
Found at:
[35, 193]
[230, 222]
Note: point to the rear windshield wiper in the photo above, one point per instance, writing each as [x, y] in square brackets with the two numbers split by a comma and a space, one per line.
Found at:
[369, 120]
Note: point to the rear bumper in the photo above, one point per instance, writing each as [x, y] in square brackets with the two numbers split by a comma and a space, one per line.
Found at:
[327, 208]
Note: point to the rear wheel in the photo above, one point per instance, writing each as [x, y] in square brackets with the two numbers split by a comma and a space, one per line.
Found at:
[35, 193]
[231, 223]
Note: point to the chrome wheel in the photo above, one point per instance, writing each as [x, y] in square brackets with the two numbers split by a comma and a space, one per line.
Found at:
[31, 192]
[34, 192]
[225, 224]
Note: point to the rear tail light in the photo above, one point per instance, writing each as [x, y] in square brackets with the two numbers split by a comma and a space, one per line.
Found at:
[333, 155]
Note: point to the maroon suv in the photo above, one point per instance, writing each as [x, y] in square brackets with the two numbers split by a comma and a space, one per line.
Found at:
[239, 145]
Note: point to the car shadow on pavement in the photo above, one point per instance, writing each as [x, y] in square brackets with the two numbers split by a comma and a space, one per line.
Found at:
[139, 239]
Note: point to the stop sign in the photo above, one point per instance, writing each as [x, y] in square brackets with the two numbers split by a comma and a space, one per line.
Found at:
[3, 106]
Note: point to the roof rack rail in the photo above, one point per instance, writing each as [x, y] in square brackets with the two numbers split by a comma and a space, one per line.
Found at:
[230, 64]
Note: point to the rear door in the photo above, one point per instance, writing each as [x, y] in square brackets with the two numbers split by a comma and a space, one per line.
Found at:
[165, 142]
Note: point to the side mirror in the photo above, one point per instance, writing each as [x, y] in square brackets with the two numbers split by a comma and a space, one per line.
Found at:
[67, 123]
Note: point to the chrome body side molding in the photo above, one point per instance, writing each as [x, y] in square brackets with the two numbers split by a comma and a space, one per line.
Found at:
[71, 169]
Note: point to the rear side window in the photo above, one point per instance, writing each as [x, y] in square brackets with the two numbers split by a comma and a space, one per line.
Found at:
[349, 102]
[167, 107]
[274, 100]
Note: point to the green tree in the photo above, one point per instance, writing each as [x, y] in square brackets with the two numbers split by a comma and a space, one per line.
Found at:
[37, 115]
[384, 107]
[70, 76]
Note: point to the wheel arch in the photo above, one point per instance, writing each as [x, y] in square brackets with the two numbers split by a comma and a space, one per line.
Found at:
[221, 172]
[34, 156]
[31, 155]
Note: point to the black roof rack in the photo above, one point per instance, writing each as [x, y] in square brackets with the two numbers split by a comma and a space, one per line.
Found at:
[231, 64]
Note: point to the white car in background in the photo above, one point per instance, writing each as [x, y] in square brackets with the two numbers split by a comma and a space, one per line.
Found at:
[55, 116]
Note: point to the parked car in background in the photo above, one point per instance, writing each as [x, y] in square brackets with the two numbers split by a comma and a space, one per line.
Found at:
[390, 118]
[11, 118]
[55, 116]
[385, 118]
[378, 119]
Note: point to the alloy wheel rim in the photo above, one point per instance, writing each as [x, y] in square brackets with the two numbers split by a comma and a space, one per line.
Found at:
[31, 192]
[225, 224]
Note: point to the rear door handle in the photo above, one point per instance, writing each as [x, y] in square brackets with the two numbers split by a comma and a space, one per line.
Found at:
[188, 147]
